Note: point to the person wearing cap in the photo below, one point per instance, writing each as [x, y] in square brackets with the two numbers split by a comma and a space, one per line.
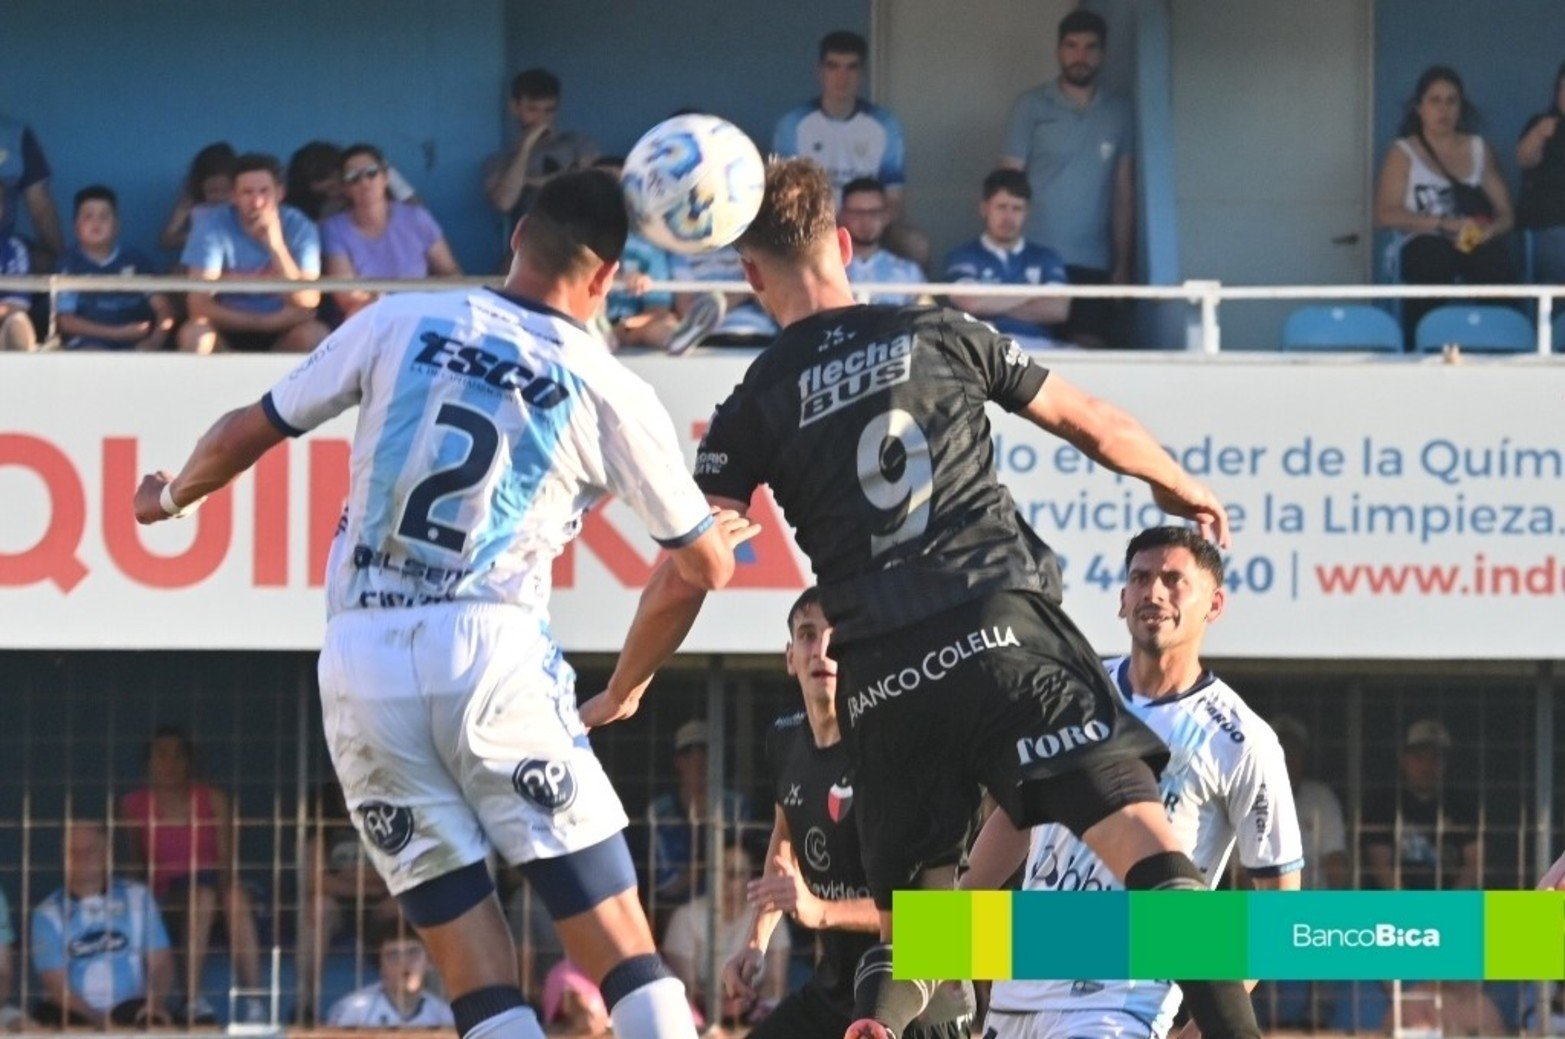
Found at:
[1320, 812]
[1418, 834]
[679, 818]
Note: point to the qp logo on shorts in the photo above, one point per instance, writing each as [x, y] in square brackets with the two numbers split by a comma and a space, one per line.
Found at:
[547, 784]
[389, 827]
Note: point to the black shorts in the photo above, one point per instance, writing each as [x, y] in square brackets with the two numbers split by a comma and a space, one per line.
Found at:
[810, 1013]
[1002, 693]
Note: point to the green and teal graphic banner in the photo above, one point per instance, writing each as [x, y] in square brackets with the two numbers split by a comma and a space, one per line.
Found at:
[1217, 935]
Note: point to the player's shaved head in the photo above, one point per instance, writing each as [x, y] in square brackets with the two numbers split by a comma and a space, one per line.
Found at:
[798, 212]
[577, 224]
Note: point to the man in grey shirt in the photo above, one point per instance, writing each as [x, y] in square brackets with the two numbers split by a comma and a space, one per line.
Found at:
[1074, 141]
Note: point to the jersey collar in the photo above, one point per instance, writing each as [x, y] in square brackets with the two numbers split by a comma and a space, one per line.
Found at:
[1122, 679]
[1001, 251]
[536, 307]
[860, 106]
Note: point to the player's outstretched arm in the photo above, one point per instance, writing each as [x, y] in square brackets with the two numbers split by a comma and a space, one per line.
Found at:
[1112, 437]
[668, 607]
[233, 444]
[742, 972]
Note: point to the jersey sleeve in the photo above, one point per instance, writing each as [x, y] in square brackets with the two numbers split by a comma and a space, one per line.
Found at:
[960, 266]
[204, 248]
[48, 943]
[1262, 813]
[326, 383]
[785, 135]
[1010, 377]
[645, 468]
[304, 242]
[729, 459]
[893, 163]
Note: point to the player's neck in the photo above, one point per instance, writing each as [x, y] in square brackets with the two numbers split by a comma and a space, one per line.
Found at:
[808, 293]
[1158, 676]
[405, 1002]
[839, 108]
[100, 253]
[564, 296]
[823, 722]
[1079, 95]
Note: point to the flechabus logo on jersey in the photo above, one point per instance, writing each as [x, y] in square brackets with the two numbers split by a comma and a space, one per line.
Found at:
[932, 667]
[833, 385]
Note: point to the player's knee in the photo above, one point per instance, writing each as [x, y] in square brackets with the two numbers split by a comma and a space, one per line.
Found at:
[496, 1012]
[574, 883]
[1165, 871]
[448, 896]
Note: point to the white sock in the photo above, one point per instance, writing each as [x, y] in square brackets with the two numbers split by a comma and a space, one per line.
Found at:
[516, 1023]
[657, 1010]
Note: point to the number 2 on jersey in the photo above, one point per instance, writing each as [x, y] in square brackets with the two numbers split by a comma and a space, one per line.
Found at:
[484, 443]
[897, 477]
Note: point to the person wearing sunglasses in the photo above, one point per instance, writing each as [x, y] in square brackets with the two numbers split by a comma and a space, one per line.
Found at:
[377, 236]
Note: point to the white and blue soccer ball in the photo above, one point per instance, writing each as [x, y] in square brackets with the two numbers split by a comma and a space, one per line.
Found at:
[693, 183]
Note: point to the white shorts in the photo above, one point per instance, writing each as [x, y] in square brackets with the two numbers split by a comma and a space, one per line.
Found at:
[1067, 1024]
[453, 729]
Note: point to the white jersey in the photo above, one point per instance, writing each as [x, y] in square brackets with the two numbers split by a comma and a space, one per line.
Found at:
[487, 425]
[1225, 783]
[369, 1007]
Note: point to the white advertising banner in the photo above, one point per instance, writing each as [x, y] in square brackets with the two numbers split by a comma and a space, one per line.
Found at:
[1380, 511]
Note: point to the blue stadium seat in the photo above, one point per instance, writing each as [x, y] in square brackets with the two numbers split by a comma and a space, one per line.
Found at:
[1497, 330]
[1354, 327]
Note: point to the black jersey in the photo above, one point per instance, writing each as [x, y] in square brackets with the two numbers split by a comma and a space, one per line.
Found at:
[814, 787]
[868, 423]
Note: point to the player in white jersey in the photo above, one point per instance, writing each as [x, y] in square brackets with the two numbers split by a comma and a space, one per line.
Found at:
[488, 422]
[1225, 784]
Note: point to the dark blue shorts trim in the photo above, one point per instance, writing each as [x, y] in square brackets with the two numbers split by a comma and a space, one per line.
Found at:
[574, 883]
[447, 897]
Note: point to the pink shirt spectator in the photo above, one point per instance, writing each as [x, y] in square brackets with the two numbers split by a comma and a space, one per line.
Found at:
[175, 850]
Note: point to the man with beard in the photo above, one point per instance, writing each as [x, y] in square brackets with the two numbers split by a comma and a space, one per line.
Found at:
[865, 211]
[1074, 142]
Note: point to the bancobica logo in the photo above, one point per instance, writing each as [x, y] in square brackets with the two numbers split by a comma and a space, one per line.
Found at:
[1381, 936]
[547, 784]
[934, 666]
[833, 385]
[1040, 748]
[389, 827]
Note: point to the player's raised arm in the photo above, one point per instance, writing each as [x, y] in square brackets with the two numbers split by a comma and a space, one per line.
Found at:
[233, 444]
[1112, 437]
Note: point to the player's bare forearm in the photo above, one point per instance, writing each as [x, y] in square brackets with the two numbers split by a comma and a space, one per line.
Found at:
[233, 444]
[669, 606]
[998, 852]
[72, 325]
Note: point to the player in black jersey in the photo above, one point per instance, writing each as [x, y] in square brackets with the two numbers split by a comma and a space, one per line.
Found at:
[813, 870]
[957, 669]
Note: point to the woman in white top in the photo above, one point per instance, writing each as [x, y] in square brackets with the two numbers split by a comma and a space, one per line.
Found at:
[1415, 197]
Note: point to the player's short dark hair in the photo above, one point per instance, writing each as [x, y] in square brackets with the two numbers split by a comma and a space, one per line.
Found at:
[251, 162]
[535, 83]
[860, 185]
[1206, 554]
[1012, 182]
[811, 596]
[96, 193]
[578, 222]
[844, 41]
[798, 210]
[1083, 20]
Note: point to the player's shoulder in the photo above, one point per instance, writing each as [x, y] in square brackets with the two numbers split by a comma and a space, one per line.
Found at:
[796, 115]
[1236, 724]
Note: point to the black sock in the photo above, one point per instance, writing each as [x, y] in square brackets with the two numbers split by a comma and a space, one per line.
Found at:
[875, 994]
[1222, 1009]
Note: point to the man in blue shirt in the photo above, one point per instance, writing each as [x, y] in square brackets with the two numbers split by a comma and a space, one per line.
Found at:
[1001, 256]
[254, 236]
[1074, 141]
[864, 213]
[108, 320]
[98, 943]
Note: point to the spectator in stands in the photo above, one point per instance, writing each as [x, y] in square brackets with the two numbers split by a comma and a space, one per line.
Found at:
[1446, 1008]
[540, 152]
[400, 997]
[637, 317]
[11, 1018]
[98, 943]
[1001, 256]
[16, 326]
[109, 320]
[1074, 140]
[1541, 206]
[208, 182]
[685, 944]
[715, 318]
[181, 835]
[852, 138]
[1320, 813]
[1436, 178]
[572, 1004]
[679, 820]
[255, 236]
[313, 181]
[864, 211]
[341, 890]
[377, 236]
[1419, 835]
[24, 181]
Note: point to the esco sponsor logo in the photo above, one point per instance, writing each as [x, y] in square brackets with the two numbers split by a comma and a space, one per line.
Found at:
[1030, 749]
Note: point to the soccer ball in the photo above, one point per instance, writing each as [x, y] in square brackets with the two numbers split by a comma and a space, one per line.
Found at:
[693, 183]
